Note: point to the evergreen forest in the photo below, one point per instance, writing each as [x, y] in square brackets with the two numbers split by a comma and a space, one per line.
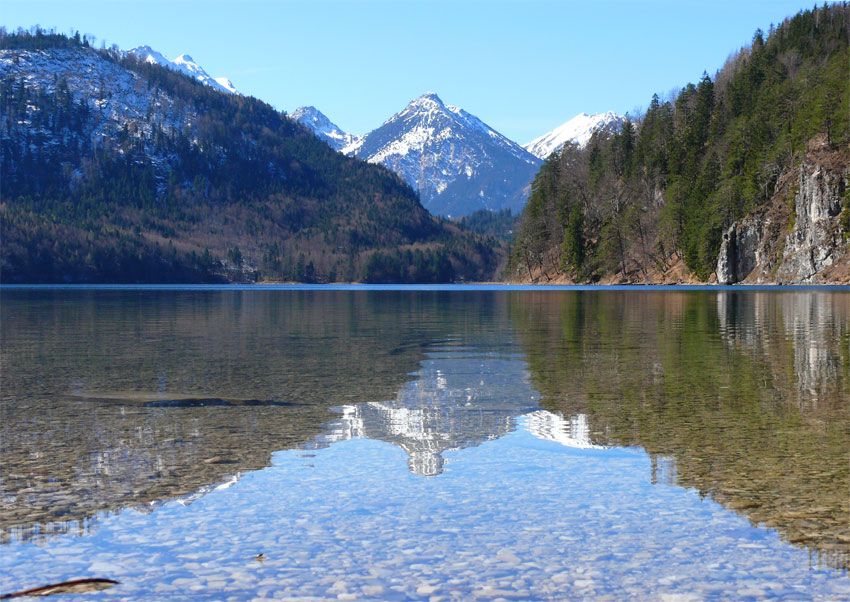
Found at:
[660, 193]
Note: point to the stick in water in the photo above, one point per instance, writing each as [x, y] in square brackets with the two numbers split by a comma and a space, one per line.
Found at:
[77, 586]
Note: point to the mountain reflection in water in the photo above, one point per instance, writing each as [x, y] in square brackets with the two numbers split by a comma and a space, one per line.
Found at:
[125, 399]
[747, 393]
[116, 399]
[459, 399]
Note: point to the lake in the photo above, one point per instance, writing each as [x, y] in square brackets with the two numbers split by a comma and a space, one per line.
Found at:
[426, 443]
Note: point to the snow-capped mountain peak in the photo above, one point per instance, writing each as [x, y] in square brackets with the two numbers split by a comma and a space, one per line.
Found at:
[456, 161]
[325, 129]
[427, 118]
[187, 64]
[149, 55]
[427, 101]
[577, 130]
[183, 64]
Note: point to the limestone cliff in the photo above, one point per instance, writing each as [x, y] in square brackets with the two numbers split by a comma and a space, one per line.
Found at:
[797, 237]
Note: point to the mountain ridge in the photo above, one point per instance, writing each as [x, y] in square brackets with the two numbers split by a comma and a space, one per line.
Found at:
[182, 64]
[457, 163]
[116, 169]
[325, 129]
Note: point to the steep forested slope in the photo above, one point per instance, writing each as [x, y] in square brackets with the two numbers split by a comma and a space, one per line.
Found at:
[652, 202]
[116, 170]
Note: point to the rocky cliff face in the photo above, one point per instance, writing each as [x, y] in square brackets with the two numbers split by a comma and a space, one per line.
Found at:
[797, 237]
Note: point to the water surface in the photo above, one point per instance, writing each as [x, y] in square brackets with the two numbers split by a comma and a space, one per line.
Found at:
[427, 444]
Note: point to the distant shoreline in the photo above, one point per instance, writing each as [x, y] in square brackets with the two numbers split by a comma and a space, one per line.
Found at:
[472, 286]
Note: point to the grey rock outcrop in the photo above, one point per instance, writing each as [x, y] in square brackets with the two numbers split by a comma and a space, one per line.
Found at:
[816, 240]
[780, 245]
[738, 251]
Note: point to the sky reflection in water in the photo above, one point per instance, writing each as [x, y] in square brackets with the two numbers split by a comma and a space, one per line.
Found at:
[519, 514]
[459, 487]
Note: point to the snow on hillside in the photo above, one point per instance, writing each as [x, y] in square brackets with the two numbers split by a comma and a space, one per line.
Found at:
[577, 130]
[325, 129]
[120, 101]
[184, 64]
[226, 84]
[121, 98]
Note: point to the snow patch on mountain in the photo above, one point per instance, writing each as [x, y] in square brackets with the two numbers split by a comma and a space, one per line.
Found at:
[226, 84]
[325, 129]
[577, 130]
[183, 64]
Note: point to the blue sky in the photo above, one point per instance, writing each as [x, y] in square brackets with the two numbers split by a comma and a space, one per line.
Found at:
[524, 67]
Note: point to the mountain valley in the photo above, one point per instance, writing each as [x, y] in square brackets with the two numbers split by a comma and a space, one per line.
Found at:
[130, 166]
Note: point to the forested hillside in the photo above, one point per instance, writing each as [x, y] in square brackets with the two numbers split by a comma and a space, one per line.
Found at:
[498, 224]
[652, 202]
[115, 170]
